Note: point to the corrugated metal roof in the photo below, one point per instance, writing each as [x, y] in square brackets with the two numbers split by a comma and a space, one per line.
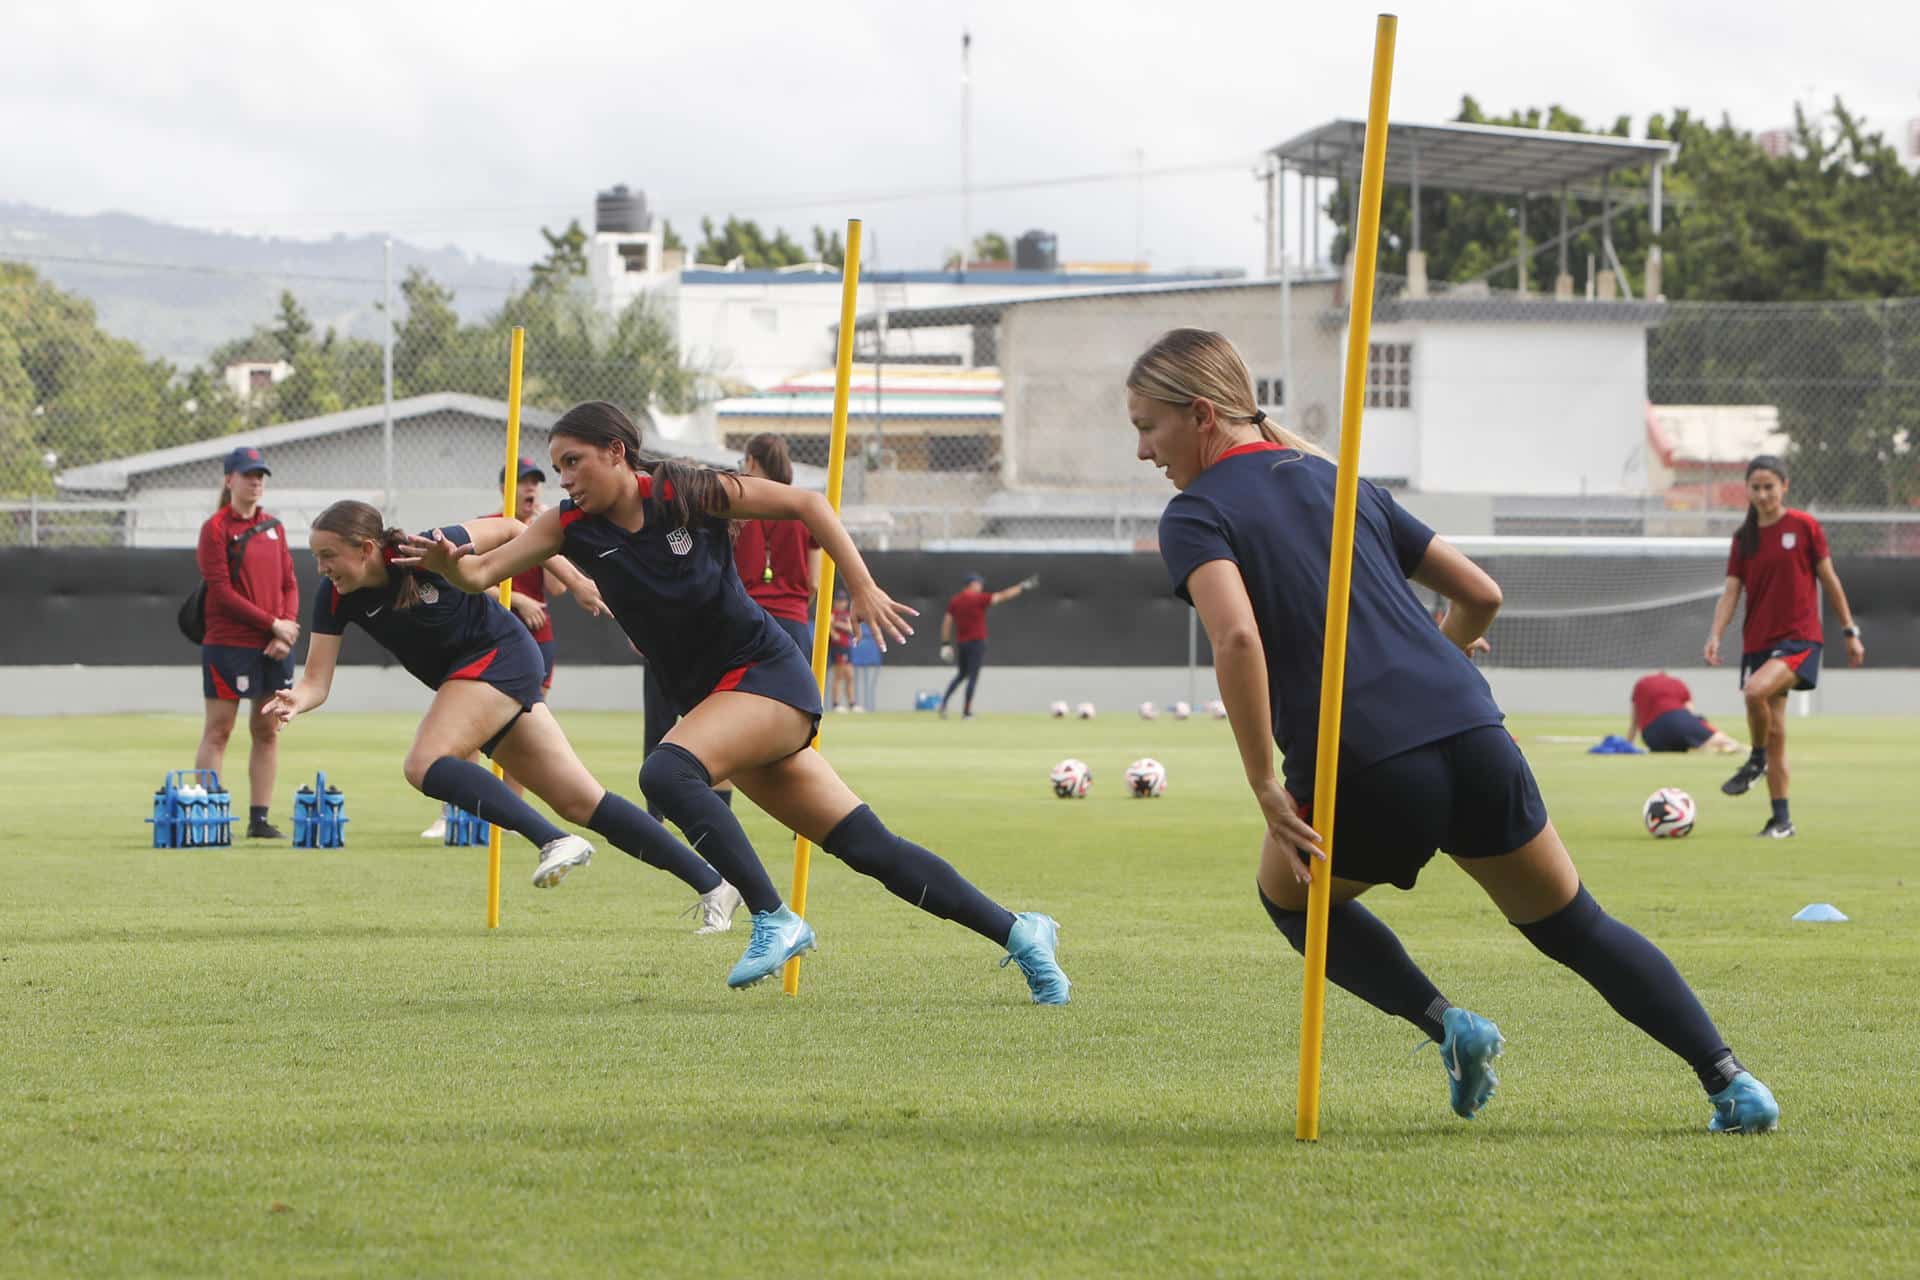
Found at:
[1473, 157]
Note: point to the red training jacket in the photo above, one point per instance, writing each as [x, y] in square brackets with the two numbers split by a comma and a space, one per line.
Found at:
[267, 588]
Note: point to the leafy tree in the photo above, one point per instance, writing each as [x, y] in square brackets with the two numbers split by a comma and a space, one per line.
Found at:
[669, 238]
[743, 239]
[566, 257]
[293, 330]
[828, 248]
[990, 247]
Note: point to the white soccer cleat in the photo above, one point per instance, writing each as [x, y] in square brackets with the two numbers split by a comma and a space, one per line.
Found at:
[715, 909]
[559, 857]
[438, 831]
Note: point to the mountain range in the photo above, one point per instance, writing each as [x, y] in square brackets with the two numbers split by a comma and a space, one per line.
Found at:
[179, 292]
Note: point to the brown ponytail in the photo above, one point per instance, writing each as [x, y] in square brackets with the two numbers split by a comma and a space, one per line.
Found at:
[226, 497]
[360, 522]
[769, 449]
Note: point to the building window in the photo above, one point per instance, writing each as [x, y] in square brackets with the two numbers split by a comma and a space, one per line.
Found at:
[1390, 375]
[1269, 393]
[259, 380]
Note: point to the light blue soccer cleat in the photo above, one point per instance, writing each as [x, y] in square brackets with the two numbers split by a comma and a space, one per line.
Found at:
[1745, 1106]
[1031, 946]
[1471, 1045]
[778, 936]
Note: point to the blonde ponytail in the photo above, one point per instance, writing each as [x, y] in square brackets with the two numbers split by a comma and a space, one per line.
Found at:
[1184, 365]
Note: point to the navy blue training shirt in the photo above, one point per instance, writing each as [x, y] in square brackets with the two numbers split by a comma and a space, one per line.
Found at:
[441, 633]
[676, 594]
[1270, 511]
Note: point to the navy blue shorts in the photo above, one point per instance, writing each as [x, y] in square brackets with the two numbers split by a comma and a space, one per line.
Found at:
[801, 634]
[785, 677]
[1802, 656]
[1471, 795]
[230, 672]
[839, 655]
[546, 661]
[1676, 730]
[514, 667]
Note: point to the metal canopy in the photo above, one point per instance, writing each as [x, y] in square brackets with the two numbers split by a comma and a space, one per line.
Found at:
[1473, 157]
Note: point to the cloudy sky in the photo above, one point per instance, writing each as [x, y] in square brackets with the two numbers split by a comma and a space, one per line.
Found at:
[474, 124]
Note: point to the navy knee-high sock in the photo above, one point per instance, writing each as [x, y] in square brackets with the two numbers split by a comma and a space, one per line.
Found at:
[1638, 980]
[464, 783]
[925, 879]
[1365, 958]
[675, 780]
[630, 830]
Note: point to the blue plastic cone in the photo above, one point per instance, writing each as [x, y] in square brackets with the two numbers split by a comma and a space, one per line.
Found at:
[1820, 913]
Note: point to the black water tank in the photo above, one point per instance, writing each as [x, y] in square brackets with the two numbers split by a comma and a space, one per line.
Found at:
[1037, 251]
[620, 210]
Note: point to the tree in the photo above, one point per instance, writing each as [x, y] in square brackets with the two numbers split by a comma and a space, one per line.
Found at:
[293, 330]
[427, 345]
[828, 248]
[566, 258]
[669, 238]
[990, 247]
[743, 239]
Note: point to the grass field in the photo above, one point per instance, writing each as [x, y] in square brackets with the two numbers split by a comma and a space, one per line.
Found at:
[269, 1061]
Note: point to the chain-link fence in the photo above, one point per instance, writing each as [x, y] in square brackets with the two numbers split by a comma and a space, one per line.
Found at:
[985, 416]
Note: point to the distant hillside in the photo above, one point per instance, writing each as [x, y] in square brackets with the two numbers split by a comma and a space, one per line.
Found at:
[199, 289]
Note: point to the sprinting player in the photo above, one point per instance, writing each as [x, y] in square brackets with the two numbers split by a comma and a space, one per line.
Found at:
[1665, 718]
[963, 634]
[1425, 760]
[842, 634]
[529, 598]
[1777, 557]
[485, 673]
[778, 560]
[653, 534]
[253, 620]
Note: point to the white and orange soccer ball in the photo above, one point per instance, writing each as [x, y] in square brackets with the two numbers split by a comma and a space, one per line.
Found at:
[1148, 711]
[1058, 710]
[1668, 813]
[1146, 779]
[1182, 709]
[1071, 779]
[1084, 711]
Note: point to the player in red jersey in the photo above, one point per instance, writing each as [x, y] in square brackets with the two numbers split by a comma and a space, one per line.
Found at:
[253, 611]
[1666, 719]
[1778, 556]
[963, 634]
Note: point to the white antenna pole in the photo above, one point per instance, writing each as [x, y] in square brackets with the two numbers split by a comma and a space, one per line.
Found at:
[966, 149]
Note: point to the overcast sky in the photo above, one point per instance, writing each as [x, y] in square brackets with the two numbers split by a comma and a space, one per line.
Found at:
[472, 124]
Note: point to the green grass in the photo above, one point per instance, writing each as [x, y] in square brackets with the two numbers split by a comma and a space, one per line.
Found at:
[266, 1061]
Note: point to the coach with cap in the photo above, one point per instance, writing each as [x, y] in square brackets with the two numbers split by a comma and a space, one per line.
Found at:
[963, 633]
[252, 624]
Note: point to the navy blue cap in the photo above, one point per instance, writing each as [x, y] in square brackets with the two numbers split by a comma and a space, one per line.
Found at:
[246, 459]
[528, 467]
[975, 577]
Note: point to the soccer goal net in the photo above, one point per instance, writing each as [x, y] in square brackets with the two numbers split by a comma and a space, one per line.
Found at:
[1602, 602]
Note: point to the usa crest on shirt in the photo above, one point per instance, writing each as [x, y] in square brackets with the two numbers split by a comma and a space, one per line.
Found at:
[1788, 539]
[679, 541]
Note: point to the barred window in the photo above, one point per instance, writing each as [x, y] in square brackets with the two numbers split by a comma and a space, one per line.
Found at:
[1390, 375]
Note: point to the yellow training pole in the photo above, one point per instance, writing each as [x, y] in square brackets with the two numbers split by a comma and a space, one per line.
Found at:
[823, 606]
[1346, 498]
[509, 502]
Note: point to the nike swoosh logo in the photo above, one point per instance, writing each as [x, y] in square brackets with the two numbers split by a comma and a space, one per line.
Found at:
[372, 612]
[604, 554]
[1453, 1063]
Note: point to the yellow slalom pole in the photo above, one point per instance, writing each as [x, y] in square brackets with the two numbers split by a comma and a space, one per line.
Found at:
[509, 502]
[823, 606]
[1346, 499]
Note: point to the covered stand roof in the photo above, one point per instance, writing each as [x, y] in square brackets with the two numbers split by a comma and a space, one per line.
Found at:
[1473, 157]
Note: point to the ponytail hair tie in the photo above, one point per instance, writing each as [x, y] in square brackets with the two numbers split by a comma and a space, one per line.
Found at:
[1259, 417]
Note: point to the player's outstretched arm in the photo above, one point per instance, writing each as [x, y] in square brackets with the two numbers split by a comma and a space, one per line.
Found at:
[499, 547]
[1473, 596]
[751, 498]
[315, 683]
[1240, 665]
[1722, 615]
[1016, 590]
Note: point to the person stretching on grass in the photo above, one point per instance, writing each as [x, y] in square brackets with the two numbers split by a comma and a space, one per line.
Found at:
[1425, 761]
[486, 673]
[652, 534]
[1777, 557]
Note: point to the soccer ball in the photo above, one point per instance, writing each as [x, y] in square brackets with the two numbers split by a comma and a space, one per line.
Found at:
[1668, 813]
[1146, 778]
[1148, 711]
[1084, 711]
[1058, 710]
[1071, 779]
[1217, 709]
[1181, 710]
